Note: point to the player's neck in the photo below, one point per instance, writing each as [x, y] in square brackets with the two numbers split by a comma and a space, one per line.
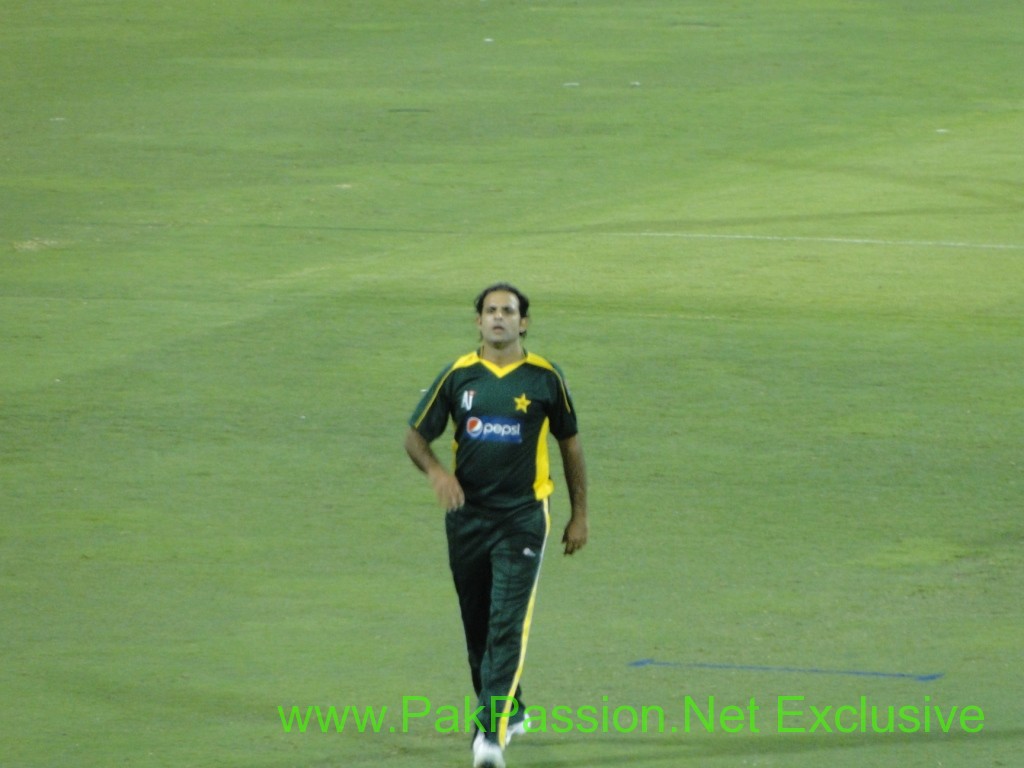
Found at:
[505, 354]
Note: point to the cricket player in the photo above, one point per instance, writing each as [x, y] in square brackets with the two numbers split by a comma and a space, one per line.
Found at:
[503, 402]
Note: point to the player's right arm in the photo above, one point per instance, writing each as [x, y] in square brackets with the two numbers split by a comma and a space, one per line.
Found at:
[446, 486]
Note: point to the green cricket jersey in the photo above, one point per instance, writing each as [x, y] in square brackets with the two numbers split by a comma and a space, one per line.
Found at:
[502, 417]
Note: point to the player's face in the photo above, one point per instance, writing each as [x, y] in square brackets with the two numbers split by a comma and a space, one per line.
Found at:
[499, 320]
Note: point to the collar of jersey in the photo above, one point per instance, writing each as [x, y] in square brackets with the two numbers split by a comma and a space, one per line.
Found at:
[501, 370]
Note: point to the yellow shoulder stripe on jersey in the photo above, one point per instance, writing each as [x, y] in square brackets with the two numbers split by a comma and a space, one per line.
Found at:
[467, 360]
[541, 362]
[463, 362]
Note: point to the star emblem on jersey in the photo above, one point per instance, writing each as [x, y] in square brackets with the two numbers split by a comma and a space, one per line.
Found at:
[522, 403]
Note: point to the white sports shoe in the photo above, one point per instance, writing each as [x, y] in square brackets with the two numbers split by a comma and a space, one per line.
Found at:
[517, 729]
[487, 754]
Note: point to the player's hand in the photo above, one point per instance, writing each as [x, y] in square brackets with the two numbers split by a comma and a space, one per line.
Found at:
[575, 536]
[448, 490]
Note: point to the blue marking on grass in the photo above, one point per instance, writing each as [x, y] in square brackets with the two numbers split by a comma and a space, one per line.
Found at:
[798, 670]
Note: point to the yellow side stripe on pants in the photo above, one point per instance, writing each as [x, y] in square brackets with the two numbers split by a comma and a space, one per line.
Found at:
[503, 724]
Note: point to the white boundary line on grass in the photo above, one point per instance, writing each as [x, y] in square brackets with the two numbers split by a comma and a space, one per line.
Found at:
[841, 240]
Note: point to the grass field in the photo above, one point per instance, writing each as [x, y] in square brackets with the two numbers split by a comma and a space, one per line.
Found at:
[778, 247]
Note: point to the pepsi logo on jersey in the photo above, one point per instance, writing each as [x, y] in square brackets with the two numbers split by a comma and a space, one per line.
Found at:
[494, 430]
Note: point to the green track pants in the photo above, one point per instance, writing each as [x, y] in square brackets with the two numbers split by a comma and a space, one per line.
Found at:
[495, 559]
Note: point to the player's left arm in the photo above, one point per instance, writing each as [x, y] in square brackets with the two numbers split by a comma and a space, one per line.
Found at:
[576, 532]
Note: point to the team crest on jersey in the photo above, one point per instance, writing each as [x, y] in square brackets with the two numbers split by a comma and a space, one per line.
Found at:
[467, 399]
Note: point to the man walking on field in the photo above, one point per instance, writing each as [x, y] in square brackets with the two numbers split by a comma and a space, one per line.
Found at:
[503, 402]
